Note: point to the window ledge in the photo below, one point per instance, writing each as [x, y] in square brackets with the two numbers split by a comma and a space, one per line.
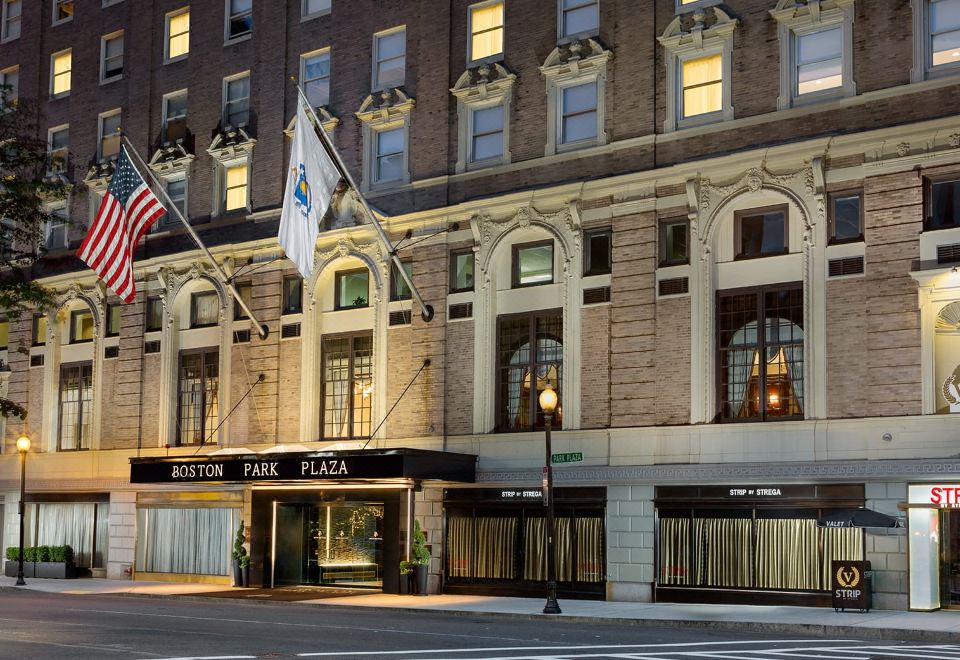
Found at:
[178, 58]
[9, 39]
[63, 21]
[700, 120]
[61, 95]
[315, 16]
[112, 79]
[230, 41]
[489, 59]
[563, 40]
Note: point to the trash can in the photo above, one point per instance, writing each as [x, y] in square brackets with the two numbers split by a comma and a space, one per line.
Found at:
[852, 585]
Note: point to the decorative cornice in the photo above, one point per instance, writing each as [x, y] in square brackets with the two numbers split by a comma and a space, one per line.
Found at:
[327, 120]
[233, 143]
[812, 11]
[691, 30]
[483, 81]
[575, 57]
[170, 159]
[385, 105]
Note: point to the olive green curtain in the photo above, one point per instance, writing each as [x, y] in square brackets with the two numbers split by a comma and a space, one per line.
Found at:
[675, 551]
[535, 549]
[460, 541]
[590, 566]
[722, 547]
[496, 538]
[840, 544]
[787, 554]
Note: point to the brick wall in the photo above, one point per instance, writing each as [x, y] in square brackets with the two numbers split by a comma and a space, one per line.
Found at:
[595, 367]
[848, 394]
[673, 361]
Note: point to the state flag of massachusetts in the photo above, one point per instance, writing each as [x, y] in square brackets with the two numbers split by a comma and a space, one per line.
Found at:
[127, 211]
[311, 182]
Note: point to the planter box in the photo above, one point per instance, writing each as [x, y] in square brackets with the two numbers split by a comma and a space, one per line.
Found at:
[41, 569]
[10, 568]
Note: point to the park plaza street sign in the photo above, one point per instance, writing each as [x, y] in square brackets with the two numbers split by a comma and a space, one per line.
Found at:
[369, 464]
[574, 457]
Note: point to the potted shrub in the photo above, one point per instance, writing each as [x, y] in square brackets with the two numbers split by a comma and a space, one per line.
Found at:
[239, 552]
[245, 569]
[12, 564]
[55, 562]
[417, 565]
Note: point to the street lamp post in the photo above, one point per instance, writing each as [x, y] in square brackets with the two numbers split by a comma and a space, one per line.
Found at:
[548, 403]
[23, 446]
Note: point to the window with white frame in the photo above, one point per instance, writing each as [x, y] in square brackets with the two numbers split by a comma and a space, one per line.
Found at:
[315, 77]
[9, 85]
[699, 70]
[389, 155]
[61, 67]
[389, 58]
[55, 232]
[11, 20]
[58, 145]
[235, 186]
[175, 116]
[575, 98]
[578, 113]
[111, 57]
[236, 100]
[109, 131]
[485, 29]
[579, 18]
[944, 24]
[483, 115]
[177, 41]
[62, 11]
[177, 192]
[486, 134]
[239, 18]
[819, 60]
[313, 8]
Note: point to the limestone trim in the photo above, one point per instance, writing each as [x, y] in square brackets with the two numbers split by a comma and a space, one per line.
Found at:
[568, 65]
[327, 120]
[384, 111]
[936, 289]
[229, 148]
[484, 87]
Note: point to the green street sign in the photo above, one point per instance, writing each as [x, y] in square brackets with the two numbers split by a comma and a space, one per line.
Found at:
[574, 457]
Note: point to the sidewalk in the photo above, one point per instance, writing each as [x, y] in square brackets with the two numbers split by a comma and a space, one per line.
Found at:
[942, 626]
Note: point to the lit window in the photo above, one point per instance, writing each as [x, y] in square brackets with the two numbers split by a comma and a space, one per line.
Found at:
[58, 142]
[702, 84]
[236, 187]
[4, 335]
[597, 252]
[398, 287]
[761, 232]
[461, 271]
[178, 34]
[39, 333]
[486, 30]
[245, 289]
[154, 313]
[9, 85]
[175, 116]
[60, 69]
[486, 142]
[579, 17]
[313, 8]
[11, 19]
[292, 294]
[240, 18]
[204, 309]
[529, 358]
[81, 326]
[533, 263]
[197, 403]
[111, 57]
[673, 243]
[846, 217]
[62, 11]
[109, 135]
[578, 113]
[76, 407]
[389, 155]
[113, 320]
[315, 78]
[236, 101]
[347, 386]
[352, 289]
[389, 59]
[945, 32]
[819, 60]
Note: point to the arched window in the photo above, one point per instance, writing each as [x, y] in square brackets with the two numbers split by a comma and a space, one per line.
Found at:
[529, 357]
[947, 350]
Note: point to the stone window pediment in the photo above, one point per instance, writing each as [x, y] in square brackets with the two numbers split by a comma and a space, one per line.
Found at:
[386, 112]
[481, 89]
[327, 120]
[231, 144]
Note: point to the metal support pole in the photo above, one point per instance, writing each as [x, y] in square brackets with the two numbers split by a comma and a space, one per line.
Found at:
[23, 480]
[552, 606]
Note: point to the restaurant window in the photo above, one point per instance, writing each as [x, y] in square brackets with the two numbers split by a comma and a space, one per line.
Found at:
[347, 386]
[398, 287]
[186, 541]
[175, 116]
[81, 326]
[315, 77]
[61, 65]
[389, 58]
[154, 314]
[113, 320]
[943, 205]
[761, 232]
[485, 27]
[204, 309]
[760, 354]
[674, 237]
[846, 217]
[62, 11]
[39, 332]
[178, 35]
[236, 100]
[461, 270]
[239, 18]
[532, 263]
[529, 358]
[352, 289]
[245, 289]
[11, 19]
[109, 135]
[597, 252]
[579, 18]
[197, 403]
[111, 57]
[76, 406]
[292, 294]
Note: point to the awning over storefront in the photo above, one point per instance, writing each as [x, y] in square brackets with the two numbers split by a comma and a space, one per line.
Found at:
[365, 465]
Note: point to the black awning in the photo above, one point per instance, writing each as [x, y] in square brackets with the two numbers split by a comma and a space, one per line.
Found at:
[357, 464]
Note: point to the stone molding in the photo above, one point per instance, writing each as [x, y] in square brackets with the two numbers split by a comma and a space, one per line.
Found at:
[481, 87]
[569, 64]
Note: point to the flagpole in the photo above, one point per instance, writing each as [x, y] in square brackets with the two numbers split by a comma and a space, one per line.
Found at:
[426, 311]
[262, 328]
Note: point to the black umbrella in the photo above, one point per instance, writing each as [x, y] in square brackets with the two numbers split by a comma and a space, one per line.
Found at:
[857, 518]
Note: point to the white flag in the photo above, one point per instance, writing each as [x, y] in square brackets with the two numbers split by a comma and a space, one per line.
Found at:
[311, 181]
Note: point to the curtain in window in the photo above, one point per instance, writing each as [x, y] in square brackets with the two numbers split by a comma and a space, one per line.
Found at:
[206, 308]
[787, 554]
[590, 566]
[722, 548]
[68, 524]
[535, 549]
[187, 541]
[496, 539]
[794, 355]
[741, 357]
[842, 544]
[675, 551]
[460, 540]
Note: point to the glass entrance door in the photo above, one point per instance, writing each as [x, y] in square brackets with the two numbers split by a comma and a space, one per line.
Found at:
[950, 558]
[329, 544]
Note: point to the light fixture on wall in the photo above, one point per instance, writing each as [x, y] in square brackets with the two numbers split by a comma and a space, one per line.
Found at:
[773, 398]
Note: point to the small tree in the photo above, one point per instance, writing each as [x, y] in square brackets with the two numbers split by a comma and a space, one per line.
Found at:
[239, 551]
[419, 554]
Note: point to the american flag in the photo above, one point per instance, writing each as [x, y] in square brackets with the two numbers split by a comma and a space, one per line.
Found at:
[126, 213]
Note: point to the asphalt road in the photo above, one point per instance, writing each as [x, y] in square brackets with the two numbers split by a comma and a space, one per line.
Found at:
[65, 627]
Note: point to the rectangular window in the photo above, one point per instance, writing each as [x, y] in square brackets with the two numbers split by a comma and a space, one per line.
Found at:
[819, 60]
[846, 217]
[239, 18]
[529, 357]
[398, 288]
[61, 66]
[62, 11]
[236, 101]
[578, 113]
[486, 30]
[9, 85]
[178, 34]
[461, 271]
[235, 187]
[109, 135]
[943, 205]
[389, 58]
[352, 289]
[486, 140]
[55, 237]
[111, 57]
[177, 191]
[81, 326]
[198, 407]
[4, 335]
[245, 289]
[204, 309]
[579, 18]
[292, 294]
[315, 77]
[760, 366]
[58, 148]
[313, 8]
[944, 32]
[11, 19]
[175, 116]
[533, 263]
[597, 252]
[39, 331]
[761, 232]
[113, 320]
[701, 82]
[389, 155]
[347, 386]
[154, 314]
[76, 406]
[674, 236]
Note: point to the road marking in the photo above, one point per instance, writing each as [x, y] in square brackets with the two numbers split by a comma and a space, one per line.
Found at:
[79, 646]
[214, 657]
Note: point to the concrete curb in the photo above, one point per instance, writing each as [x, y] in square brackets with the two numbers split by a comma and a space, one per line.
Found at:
[814, 629]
